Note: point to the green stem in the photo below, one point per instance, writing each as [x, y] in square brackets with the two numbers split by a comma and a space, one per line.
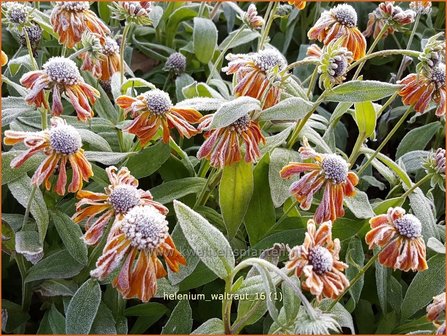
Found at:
[387, 103]
[26, 292]
[201, 9]
[296, 64]
[410, 41]
[179, 151]
[215, 10]
[282, 218]
[370, 50]
[268, 25]
[383, 53]
[78, 52]
[209, 184]
[426, 178]
[28, 205]
[222, 54]
[313, 81]
[30, 49]
[299, 126]
[356, 150]
[385, 141]
[226, 307]
[122, 49]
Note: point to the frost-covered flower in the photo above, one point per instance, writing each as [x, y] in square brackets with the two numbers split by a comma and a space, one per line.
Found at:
[420, 89]
[340, 23]
[133, 11]
[70, 19]
[432, 54]
[223, 146]
[34, 33]
[252, 19]
[17, 14]
[392, 16]
[141, 236]
[255, 75]
[62, 145]
[421, 7]
[328, 172]
[106, 63]
[118, 199]
[153, 110]
[323, 324]
[333, 62]
[60, 75]
[400, 237]
[318, 262]
[436, 310]
[435, 166]
[176, 63]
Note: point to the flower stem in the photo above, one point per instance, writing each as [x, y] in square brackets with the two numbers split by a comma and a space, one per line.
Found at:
[226, 307]
[78, 52]
[268, 25]
[30, 50]
[313, 81]
[209, 184]
[385, 141]
[370, 50]
[28, 205]
[296, 64]
[383, 53]
[410, 41]
[299, 126]
[356, 150]
[417, 185]
[222, 54]
[387, 103]
[282, 218]
[122, 49]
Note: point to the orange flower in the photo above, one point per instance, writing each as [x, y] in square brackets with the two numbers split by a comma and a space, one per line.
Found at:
[400, 234]
[119, 197]
[298, 4]
[328, 171]
[3, 58]
[340, 22]
[70, 19]
[252, 19]
[141, 237]
[153, 110]
[318, 260]
[252, 72]
[60, 75]
[108, 62]
[425, 87]
[388, 14]
[223, 145]
[422, 7]
[62, 145]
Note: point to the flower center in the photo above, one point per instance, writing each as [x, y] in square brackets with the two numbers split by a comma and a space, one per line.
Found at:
[145, 227]
[110, 47]
[241, 125]
[158, 101]
[75, 6]
[335, 168]
[268, 59]
[339, 66]
[321, 259]
[62, 70]
[124, 198]
[176, 63]
[408, 226]
[345, 14]
[438, 74]
[17, 13]
[34, 33]
[65, 139]
[135, 8]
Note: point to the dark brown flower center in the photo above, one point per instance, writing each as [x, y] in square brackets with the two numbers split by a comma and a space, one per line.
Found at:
[321, 259]
[241, 124]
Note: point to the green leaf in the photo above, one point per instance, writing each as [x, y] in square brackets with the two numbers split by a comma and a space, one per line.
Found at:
[104, 322]
[28, 244]
[422, 208]
[229, 112]
[11, 174]
[107, 158]
[213, 326]
[15, 64]
[340, 314]
[169, 191]
[104, 11]
[55, 287]
[83, 307]
[13, 107]
[435, 245]
[235, 191]
[413, 161]
[59, 265]
[95, 140]
[424, 287]
[56, 321]
[179, 15]
[180, 321]
[149, 160]
[359, 205]
[294, 108]
[244, 37]
[359, 91]
[14, 317]
[417, 138]
[208, 242]
[146, 309]
[260, 215]
[383, 275]
[291, 300]
[21, 189]
[279, 187]
[71, 234]
[365, 117]
[136, 83]
[355, 258]
[204, 37]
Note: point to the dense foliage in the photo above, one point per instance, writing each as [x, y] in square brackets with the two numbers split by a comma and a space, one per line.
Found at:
[223, 167]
